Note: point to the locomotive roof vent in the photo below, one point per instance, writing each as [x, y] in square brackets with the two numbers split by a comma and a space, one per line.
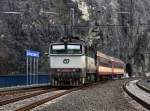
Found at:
[70, 39]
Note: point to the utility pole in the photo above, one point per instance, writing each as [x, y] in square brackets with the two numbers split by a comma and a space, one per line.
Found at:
[130, 34]
[72, 17]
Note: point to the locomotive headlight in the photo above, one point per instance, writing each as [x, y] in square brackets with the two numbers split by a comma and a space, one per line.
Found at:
[58, 70]
[74, 70]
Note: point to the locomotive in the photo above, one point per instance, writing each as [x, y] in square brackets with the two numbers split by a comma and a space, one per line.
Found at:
[73, 63]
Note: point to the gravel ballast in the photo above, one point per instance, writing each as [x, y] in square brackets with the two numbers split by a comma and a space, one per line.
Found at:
[108, 96]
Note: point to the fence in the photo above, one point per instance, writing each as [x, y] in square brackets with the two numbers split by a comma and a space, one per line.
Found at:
[15, 80]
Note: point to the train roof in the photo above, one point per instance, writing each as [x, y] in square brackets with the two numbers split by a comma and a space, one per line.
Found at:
[109, 57]
[69, 40]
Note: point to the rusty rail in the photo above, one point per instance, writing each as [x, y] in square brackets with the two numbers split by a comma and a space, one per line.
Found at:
[35, 104]
[4, 102]
[25, 89]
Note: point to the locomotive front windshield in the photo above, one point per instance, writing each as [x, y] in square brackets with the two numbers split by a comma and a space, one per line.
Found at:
[66, 49]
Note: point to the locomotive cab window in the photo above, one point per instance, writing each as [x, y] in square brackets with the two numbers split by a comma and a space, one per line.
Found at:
[74, 49]
[66, 49]
[58, 49]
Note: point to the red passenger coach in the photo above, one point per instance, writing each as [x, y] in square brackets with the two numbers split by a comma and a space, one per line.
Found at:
[109, 66]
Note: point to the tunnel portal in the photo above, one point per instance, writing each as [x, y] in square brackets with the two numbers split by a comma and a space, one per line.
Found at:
[129, 69]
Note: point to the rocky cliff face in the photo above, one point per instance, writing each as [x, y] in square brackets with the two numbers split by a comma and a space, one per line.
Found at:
[28, 24]
[116, 27]
[123, 31]
[32, 24]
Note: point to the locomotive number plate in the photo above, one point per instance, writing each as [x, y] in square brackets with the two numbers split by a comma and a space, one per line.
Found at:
[66, 61]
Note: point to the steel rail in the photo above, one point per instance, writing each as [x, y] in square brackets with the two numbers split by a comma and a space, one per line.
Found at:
[140, 101]
[35, 104]
[9, 91]
[7, 101]
[42, 101]
[142, 87]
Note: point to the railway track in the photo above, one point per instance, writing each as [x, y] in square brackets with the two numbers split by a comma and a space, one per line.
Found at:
[49, 98]
[44, 100]
[25, 101]
[19, 90]
[142, 86]
[138, 94]
[35, 104]
[13, 96]
[8, 98]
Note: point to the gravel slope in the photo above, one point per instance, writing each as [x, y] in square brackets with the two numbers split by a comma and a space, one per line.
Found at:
[107, 96]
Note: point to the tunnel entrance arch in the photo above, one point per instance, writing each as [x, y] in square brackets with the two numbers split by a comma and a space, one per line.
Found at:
[129, 69]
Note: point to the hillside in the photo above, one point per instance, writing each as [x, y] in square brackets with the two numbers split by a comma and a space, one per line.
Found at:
[115, 27]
